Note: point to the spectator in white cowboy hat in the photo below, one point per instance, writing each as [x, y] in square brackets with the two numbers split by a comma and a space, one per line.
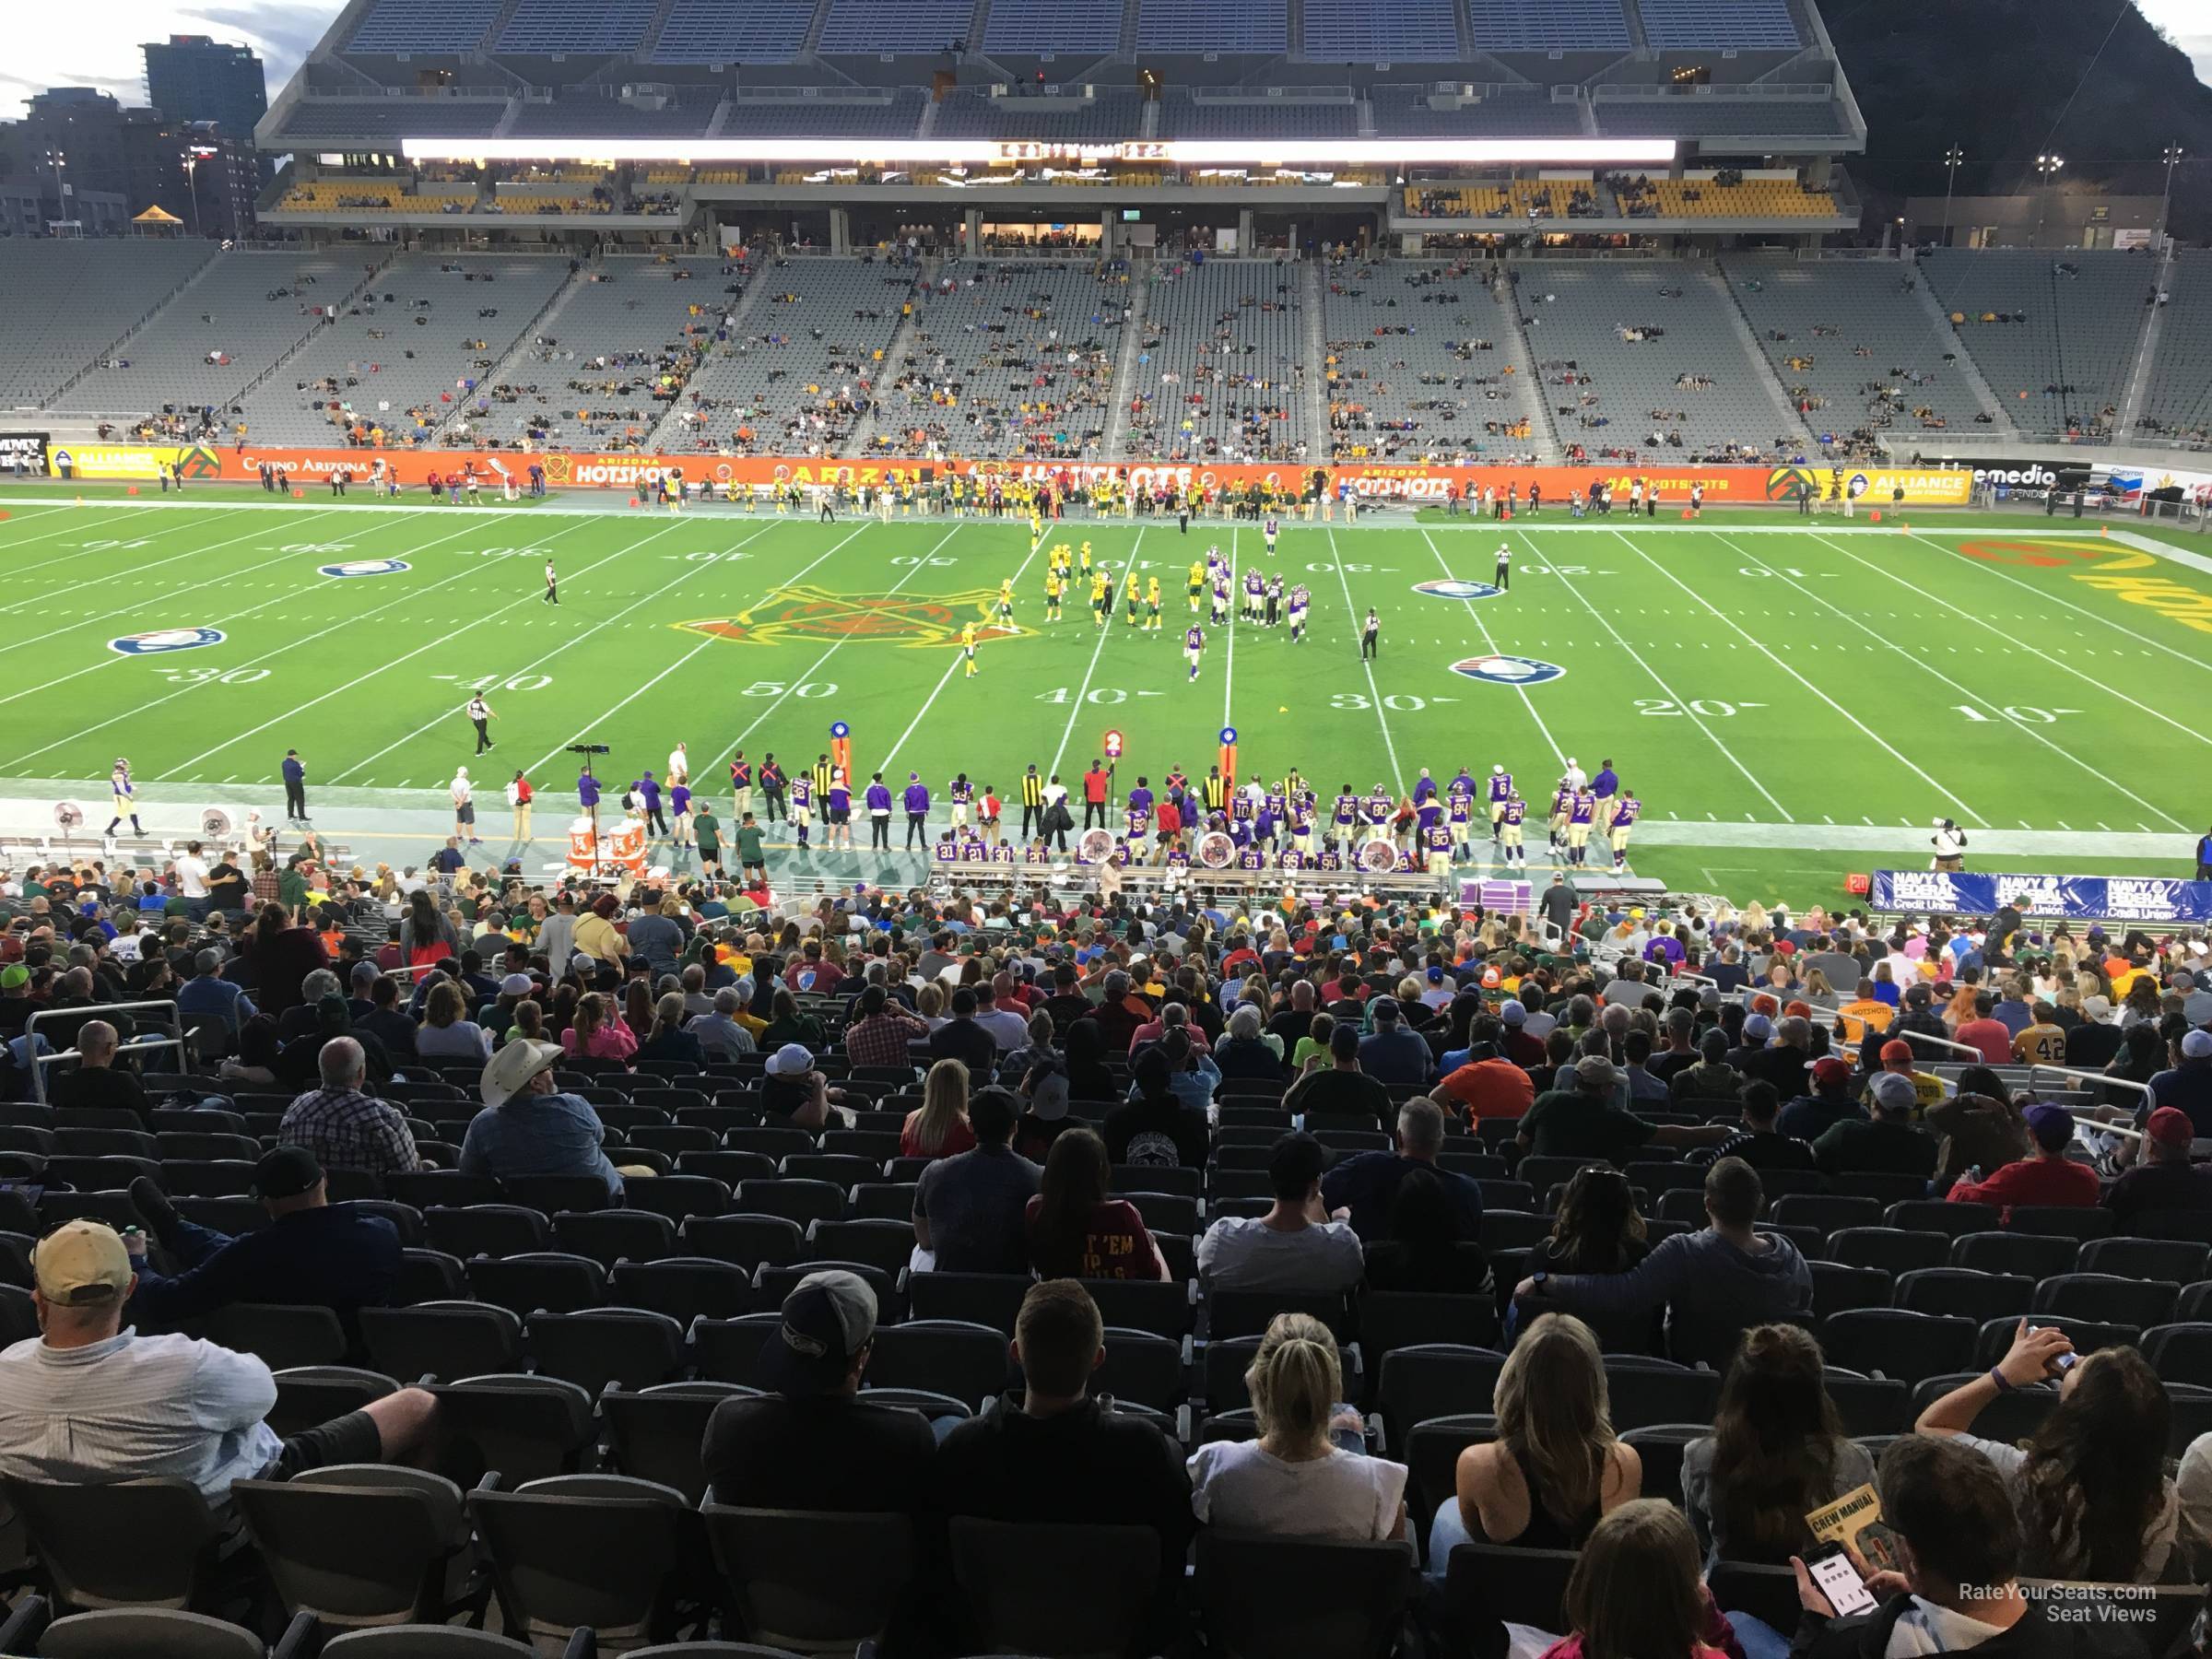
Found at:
[529, 1127]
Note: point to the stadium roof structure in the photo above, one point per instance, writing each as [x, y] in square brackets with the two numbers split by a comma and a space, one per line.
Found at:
[1349, 82]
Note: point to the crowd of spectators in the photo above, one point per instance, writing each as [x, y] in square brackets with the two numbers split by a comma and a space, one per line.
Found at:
[1056, 1042]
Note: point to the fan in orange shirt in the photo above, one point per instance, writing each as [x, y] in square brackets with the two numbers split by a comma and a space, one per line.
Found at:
[1865, 1013]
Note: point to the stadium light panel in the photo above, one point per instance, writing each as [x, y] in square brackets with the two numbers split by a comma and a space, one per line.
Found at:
[1322, 153]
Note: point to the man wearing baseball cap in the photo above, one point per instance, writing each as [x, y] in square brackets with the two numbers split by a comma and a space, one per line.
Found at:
[2163, 1178]
[529, 1127]
[1896, 1056]
[1810, 1116]
[312, 1252]
[93, 1400]
[1888, 1142]
[807, 1442]
[2045, 1176]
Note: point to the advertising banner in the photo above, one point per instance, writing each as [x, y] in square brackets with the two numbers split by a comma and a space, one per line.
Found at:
[1369, 481]
[2152, 900]
[22, 452]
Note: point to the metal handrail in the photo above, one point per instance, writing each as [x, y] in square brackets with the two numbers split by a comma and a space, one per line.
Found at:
[2072, 1071]
[176, 1040]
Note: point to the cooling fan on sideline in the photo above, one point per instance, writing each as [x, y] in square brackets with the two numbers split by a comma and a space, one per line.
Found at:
[1216, 851]
[1377, 857]
[1095, 847]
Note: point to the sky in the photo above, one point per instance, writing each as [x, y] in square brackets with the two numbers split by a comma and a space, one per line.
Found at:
[48, 46]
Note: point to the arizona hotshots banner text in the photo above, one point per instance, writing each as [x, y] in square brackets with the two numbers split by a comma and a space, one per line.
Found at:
[308, 467]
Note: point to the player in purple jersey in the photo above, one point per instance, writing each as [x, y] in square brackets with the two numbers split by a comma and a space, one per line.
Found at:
[1627, 809]
[1509, 830]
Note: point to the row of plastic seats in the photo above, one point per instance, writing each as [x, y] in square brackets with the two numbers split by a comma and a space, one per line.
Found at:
[630, 1561]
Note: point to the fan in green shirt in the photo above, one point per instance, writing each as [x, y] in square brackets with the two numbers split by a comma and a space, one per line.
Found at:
[752, 846]
[708, 828]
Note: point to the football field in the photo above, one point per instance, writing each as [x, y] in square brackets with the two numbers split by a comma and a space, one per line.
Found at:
[1791, 699]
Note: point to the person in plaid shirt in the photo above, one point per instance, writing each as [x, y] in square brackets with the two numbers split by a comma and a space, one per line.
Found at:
[881, 1033]
[343, 1126]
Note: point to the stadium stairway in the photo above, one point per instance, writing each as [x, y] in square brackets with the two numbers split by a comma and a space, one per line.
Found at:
[865, 435]
[1969, 369]
[1713, 276]
[517, 350]
[2146, 351]
[1526, 359]
[345, 305]
[667, 436]
[1124, 370]
[1317, 353]
[1543, 438]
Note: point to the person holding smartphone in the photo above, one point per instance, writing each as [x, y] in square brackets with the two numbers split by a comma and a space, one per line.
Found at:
[2090, 1483]
[1957, 1587]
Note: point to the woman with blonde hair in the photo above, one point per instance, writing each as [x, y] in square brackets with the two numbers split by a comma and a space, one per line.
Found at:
[1295, 1479]
[938, 1127]
[1635, 1593]
[1556, 1465]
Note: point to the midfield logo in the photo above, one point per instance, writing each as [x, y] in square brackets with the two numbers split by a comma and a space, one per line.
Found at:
[810, 613]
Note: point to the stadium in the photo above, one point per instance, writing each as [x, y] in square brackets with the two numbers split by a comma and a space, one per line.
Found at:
[956, 829]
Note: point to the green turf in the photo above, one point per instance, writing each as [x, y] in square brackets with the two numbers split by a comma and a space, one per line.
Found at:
[1792, 703]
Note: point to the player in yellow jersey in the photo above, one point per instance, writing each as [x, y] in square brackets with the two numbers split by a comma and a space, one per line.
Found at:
[1052, 586]
[1036, 532]
[1197, 583]
[1003, 610]
[1151, 605]
[1129, 596]
[967, 648]
[1086, 566]
[1101, 596]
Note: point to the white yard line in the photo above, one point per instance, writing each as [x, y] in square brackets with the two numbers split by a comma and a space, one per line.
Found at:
[531, 598]
[1684, 704]
[113, 578]
[1910, 845]
[286, 597]
[62, 529]
[1090, 672]
[1236, 604]
[139, 602]
[283, 599]
[559, 750]
[815, 667]
[890, 760]
[1952, 802]
[1935, 673]
[1351, 611]
[2050, 596]
[2111, 691]
[1475, 616]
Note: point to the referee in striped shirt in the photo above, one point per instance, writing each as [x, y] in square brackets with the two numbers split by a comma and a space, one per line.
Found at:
[1032, 804]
